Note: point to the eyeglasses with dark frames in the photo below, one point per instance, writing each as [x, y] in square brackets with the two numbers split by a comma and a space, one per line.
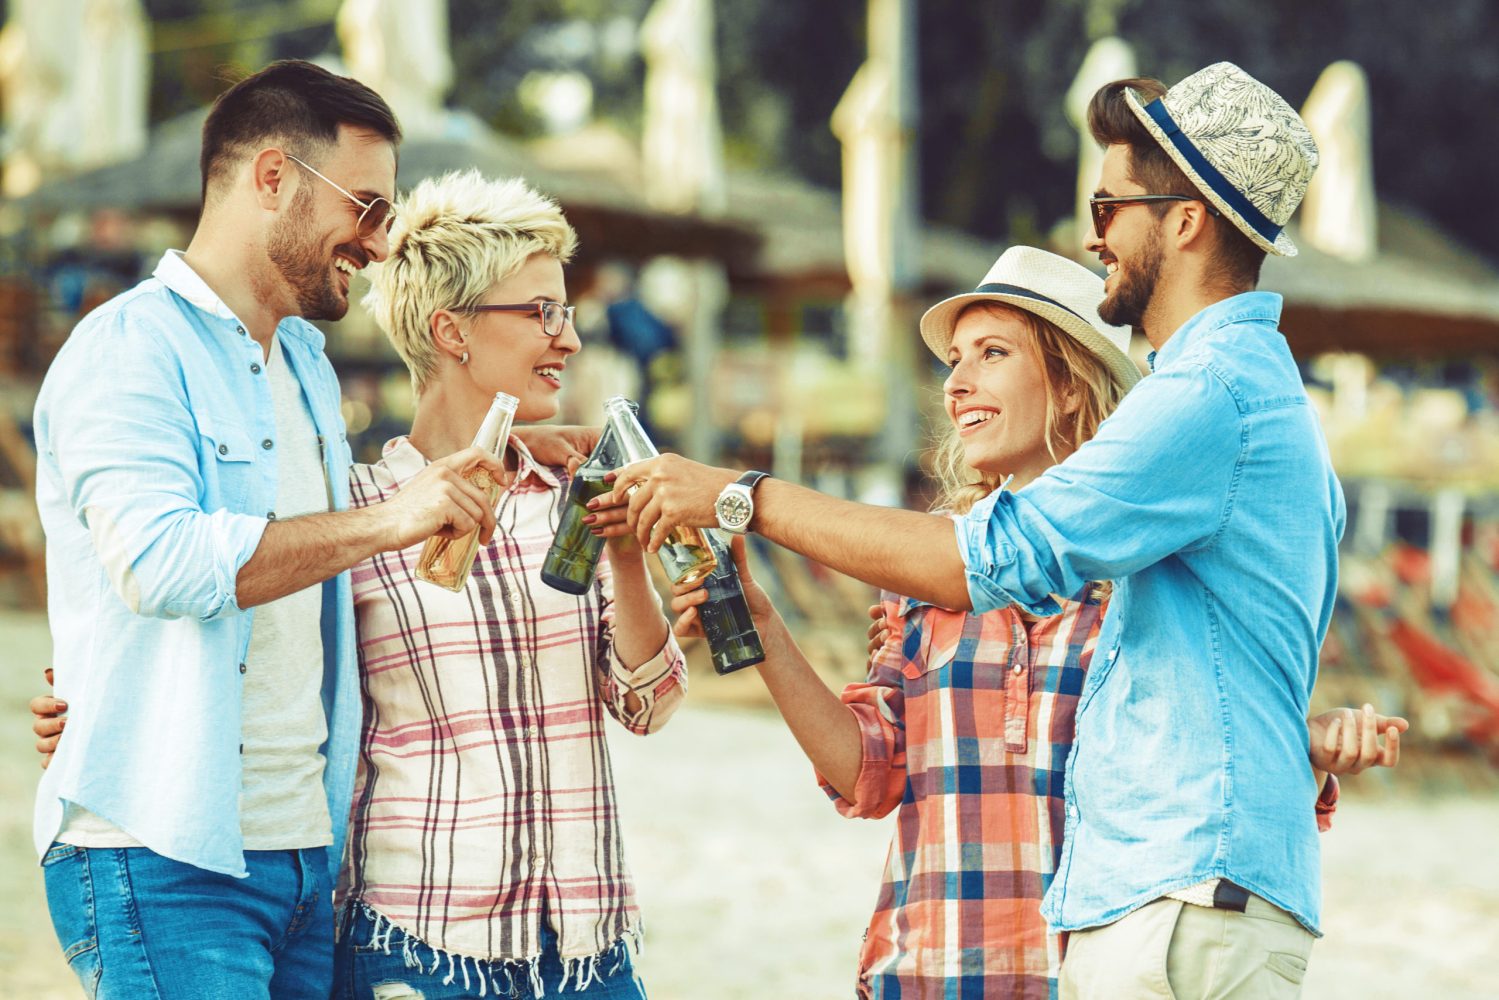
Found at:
[553, 315]
[373, 215]
[1103, 209]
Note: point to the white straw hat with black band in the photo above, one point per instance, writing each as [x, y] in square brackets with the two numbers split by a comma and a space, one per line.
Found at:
[1058, 290]
[1241, 144]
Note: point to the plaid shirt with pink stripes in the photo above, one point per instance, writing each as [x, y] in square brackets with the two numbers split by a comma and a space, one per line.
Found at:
[484, 797]
[967, 723]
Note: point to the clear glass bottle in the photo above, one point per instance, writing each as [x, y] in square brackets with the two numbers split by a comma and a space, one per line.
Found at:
[733, 640]
[448, 561]
[573, 559]
[685, 554]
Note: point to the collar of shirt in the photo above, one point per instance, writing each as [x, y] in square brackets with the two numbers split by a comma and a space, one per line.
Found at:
[404, 461]
[1247, 307]
[176, 274]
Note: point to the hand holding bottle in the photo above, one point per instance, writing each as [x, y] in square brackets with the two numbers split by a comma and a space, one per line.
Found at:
[727, 608]
[665, 493]
[449, 554]
[444, 500]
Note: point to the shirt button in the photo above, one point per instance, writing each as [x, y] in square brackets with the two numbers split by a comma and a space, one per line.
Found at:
[270, 515]
[242, 749]
[254, 369]
[266, 444]
[223, 449]
[243, 668]
[533, 731]
[1019, 668]
[535, 796]
[241, 330]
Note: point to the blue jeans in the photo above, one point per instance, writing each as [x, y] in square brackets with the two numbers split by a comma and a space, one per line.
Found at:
[375, 968]
[134, 925]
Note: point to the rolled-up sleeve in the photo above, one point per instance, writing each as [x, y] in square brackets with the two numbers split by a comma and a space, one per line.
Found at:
[658, 685]
[115, 420]
[1154, 480]
[878, 704]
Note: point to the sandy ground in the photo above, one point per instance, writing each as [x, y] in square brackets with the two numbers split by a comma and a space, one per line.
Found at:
[753, 886]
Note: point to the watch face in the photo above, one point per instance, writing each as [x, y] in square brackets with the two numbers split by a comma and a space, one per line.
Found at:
[734, 509]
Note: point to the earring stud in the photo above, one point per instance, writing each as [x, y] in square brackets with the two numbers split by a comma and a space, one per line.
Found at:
[463, 360]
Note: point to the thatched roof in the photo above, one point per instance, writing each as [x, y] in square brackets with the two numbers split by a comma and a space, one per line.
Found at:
[1424, 294]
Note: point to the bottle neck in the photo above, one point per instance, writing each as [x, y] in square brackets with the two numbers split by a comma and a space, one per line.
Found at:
[632, 442]
[495, 430]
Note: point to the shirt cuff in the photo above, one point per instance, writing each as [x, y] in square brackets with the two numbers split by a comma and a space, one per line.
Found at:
[660, 684]
[981, 566]
[877, 769]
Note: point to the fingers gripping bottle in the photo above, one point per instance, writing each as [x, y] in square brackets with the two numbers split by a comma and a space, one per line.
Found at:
[733, 640]
[684, 554]
[447, 561]
[573, 560]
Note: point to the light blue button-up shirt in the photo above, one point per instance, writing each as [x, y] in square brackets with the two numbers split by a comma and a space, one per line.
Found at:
[156, 472]
[1208, 497]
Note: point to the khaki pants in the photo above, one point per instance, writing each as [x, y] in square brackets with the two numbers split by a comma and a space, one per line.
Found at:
[1176, 951]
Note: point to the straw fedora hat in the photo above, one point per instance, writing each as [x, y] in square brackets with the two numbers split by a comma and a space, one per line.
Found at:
[1058, 290]
[1241, 144]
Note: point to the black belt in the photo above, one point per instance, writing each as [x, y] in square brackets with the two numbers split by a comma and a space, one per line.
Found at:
[1228, 896]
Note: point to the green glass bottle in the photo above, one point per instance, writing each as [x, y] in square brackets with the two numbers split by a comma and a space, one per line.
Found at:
[733, 640]
[573, 560]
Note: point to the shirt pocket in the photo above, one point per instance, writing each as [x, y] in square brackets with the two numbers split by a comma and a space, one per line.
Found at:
[226, 462]
[975, 659]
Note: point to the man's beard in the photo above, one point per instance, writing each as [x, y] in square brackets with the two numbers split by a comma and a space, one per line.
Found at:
[1135, 287]
[302, 263]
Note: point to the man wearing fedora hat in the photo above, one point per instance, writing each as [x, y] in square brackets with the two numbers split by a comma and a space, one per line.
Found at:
[1191, 865]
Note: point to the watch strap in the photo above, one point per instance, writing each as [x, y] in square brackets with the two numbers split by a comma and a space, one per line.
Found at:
[751, 479]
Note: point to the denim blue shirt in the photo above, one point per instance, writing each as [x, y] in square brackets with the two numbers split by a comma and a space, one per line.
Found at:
[1208, 498]
[156, 474]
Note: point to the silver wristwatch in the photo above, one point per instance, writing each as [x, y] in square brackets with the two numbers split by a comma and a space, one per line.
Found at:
[735, 506]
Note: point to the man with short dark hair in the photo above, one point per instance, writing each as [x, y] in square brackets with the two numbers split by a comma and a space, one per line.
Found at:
[1191, 864]
[192, 482]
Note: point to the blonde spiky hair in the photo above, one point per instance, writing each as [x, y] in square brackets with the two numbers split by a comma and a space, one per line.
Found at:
[453, 238]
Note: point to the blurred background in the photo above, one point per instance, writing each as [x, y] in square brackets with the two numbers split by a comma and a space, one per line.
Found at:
[768, 194]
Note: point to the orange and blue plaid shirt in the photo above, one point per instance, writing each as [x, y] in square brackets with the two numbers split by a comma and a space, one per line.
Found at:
[967, 723]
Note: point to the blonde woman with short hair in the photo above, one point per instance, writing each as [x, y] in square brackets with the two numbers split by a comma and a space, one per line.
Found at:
[484, 847]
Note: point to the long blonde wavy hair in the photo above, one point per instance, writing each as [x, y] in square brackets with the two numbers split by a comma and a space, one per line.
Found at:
[1068, 368]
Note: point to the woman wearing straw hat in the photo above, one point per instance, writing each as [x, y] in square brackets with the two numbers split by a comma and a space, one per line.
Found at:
[965, 722]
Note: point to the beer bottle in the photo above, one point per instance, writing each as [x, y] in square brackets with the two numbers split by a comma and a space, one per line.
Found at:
[733, 640]
[447, 561]
[684, 554]
[573, 559]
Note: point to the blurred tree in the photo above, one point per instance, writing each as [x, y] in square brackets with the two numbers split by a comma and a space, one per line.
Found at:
[997, 152]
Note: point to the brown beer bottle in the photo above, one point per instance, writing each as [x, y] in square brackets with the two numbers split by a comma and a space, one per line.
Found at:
[448, 561]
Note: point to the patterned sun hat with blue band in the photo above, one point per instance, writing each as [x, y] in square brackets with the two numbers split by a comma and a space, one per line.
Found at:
[1244, 147]
[1060, 291]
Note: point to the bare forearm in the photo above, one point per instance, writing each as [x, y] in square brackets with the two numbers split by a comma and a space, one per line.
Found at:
[896, 550]
[639, 627]
[295, 554]
[824, 727]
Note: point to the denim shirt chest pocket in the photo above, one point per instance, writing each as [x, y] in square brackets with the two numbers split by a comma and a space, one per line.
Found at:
[226, 461]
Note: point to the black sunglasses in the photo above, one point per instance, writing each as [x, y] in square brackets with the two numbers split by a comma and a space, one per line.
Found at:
[1103, 209]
